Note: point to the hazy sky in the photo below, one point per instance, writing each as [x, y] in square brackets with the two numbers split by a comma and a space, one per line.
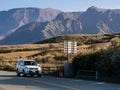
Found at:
[64, 5]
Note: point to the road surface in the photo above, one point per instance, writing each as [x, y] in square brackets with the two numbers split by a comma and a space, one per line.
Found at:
[9, 81]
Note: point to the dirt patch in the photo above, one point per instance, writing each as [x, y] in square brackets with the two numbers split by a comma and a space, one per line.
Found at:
[1, 88]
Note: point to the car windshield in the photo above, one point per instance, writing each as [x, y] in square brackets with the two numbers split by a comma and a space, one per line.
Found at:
[30, 63]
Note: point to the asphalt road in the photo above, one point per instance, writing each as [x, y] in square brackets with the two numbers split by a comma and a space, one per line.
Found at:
[9, 81]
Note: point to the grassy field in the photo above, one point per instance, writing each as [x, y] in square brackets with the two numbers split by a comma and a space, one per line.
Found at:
[50, 52]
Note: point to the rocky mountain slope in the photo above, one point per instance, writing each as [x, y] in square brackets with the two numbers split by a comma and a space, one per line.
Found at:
[93, 21]
[13, 19]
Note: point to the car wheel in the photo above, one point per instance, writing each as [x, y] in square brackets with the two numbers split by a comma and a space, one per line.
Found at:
[39, 75]
[31, 75]
[24, 74]
[18, 74]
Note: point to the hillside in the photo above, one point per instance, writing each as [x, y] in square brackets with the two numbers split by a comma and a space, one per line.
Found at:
[92, 21]
[82, 38]
[14, 18]
[51, 51]
[92, 50]
[36, 31]
[84, 42]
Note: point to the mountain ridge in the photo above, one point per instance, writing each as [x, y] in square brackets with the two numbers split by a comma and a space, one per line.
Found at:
[12, 19]
[92, 21]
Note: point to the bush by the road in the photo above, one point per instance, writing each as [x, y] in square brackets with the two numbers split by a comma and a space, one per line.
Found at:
[107, 62]
[7, 68]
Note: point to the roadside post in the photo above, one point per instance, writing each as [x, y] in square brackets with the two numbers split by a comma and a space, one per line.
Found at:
[69, 47]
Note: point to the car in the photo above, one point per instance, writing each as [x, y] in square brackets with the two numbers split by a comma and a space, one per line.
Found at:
[28, 67]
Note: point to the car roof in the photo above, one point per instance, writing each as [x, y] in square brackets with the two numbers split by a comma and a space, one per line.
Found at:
[26, 60]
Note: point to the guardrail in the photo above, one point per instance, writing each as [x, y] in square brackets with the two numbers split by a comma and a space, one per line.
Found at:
[88, 73]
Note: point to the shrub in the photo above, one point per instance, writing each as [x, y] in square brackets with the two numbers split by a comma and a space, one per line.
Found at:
[107, 62]
[115, 42]
[60, 57]
[87, 61]
[9, 67]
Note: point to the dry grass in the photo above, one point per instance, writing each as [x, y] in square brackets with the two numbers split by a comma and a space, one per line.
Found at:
[13, 56]
[45, 53]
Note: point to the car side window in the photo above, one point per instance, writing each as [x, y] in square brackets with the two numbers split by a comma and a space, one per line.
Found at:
[21, 63]
[18, 62]
[33, 63]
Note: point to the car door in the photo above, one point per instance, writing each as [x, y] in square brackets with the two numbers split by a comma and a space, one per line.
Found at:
[21, 65]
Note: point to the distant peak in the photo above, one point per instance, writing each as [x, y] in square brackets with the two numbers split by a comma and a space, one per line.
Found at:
[94, 8]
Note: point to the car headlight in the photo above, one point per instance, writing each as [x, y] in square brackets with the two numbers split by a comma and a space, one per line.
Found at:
[39, 69]
[27, 69]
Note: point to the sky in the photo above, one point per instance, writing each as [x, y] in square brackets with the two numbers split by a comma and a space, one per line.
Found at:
[64, 5]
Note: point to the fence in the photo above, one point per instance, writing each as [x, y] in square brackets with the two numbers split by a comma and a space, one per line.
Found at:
[88, 73]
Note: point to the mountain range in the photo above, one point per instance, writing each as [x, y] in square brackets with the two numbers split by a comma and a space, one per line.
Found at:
[30, 25]
[13, 19]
